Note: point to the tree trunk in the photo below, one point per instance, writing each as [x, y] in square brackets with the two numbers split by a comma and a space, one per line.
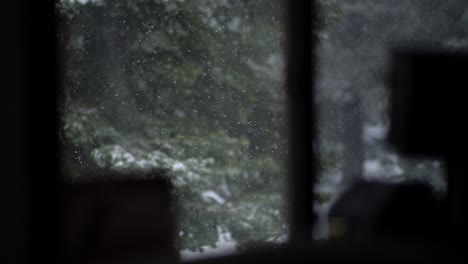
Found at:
[352, 127]
[118, 104]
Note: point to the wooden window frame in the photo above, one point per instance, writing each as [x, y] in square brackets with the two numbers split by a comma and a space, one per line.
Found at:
[37, 213]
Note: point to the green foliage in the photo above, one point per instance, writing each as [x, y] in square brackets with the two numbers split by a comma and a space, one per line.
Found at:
[193, 89]
[190, 88]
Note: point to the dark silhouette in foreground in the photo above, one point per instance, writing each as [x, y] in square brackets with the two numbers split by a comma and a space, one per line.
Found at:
[387, 211]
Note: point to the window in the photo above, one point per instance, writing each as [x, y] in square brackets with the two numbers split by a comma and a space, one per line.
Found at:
[194, 91]
[191, 89]
[356, 38]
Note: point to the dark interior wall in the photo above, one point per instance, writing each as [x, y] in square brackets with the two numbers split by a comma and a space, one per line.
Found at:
[28, 185]
[13, 198]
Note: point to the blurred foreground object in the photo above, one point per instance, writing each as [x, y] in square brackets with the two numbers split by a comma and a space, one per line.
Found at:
[428, 115]
[121, 221]
[429, 105]
[387, 211]
[428, 119]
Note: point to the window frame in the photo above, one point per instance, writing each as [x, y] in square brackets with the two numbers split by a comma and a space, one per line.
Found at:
[38, 101]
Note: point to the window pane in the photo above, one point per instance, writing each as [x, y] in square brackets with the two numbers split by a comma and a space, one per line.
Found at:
[353, 56]
[193, 89]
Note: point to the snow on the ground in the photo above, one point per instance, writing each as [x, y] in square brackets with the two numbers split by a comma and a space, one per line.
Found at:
[224, 246]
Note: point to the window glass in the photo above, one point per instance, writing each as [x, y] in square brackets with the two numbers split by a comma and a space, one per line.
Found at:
[355, 40]
[192, 89]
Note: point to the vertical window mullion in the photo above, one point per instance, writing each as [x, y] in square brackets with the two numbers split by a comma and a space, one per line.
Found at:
[300, 113]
